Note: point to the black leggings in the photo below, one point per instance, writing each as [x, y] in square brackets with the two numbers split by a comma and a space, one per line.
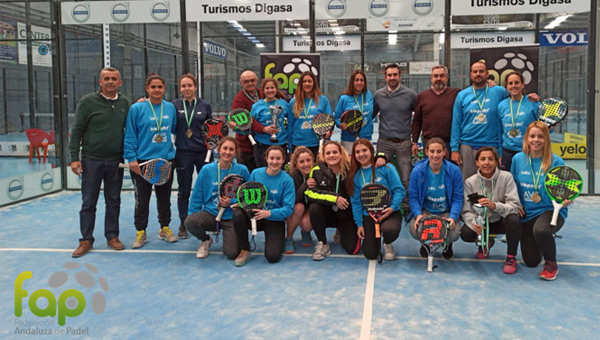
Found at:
[390, 229]
[510, 225]
[537, 239]
[323, 216]
[274, 234]
[143, 192]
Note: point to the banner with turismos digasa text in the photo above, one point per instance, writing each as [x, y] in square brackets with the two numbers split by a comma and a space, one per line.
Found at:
[246, 10]
[286, 68]
[482, 7]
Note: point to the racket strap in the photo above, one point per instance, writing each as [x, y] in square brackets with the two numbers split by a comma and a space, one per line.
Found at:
[252, 244]
[485, 233]
[217, 232]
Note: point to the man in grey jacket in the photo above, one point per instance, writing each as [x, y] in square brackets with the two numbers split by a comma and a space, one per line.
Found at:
[394, 104]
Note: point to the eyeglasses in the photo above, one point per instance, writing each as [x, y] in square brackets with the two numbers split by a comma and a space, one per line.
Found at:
[248, 81]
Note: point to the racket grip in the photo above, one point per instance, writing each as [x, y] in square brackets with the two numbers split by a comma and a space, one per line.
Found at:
[208, 153]
[555, 214]
[123, 165]
[321, 144]
[220, 215]
[251, 139]
[430, 263]
[377, 231]
[253, 223]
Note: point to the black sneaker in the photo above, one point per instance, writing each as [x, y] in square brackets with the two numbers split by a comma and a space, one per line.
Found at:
[423, 251]
[182, 233]
[448, 253]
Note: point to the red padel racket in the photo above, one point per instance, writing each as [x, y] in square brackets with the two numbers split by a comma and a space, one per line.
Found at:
[432, 231]
[213, 130]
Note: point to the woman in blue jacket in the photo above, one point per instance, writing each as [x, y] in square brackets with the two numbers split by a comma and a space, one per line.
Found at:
[436, 188]
[356, 97]
[148, 131]
[261, 112]
[363, 171]
[271, 219]
[206, 201]
[308, 102]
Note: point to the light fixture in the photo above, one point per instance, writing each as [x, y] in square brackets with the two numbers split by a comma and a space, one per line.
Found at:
[557, 21]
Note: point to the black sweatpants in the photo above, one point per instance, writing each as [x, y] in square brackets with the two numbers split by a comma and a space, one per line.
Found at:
[390, 229]
[537, 239]
[510, 225]
[143, 192]
[274, 234]
[323, 216]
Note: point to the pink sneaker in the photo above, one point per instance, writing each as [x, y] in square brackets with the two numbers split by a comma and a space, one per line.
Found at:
[481, 254]
[550, 271]
[510, 266]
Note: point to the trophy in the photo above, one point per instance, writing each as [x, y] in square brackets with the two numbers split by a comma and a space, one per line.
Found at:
[276, 110]
[480, 211]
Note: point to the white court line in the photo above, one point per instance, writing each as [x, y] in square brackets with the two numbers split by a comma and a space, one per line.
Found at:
[158, 251]
[367, 315]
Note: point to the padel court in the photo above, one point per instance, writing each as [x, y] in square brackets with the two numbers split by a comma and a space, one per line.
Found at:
[163, 292]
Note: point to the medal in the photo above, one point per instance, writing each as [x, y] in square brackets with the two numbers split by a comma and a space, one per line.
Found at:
[188, 120]
[306, 125]
[158, 138]
[481, 117]
[513, 132]
[535, 197]
[188, 133]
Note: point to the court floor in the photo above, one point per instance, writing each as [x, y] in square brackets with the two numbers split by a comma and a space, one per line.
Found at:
[163, 292]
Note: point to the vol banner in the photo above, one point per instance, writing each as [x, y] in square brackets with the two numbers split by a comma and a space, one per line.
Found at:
[287, 68]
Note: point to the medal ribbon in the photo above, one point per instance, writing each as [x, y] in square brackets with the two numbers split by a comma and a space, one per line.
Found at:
[254, 98]
[512, 117]
[219, 179]
[536, 181]
[480, 103]
[361, 106]
[363, 177]
[307, 108]
[158, 123]
[189, 120]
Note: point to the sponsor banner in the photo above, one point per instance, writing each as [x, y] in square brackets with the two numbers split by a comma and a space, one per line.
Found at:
[286, 68]
[40, 45]
[14, 149]
[324, 43]
[502, 60]
[8, 49]
[493, 21]
[118, 12]
[246, 10]
[478, 7]
[490, 39]
[322, 26]
[421, 67]
[214, 49]
[427, 15]
[564, 38]
[570, 150]
[18, 188]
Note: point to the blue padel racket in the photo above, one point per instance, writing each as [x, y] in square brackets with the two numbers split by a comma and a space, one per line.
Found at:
[213, 130]
[243, 122]
[432, 231]
[562, 183]
[353, 120]
[252, 195]
[374, 198]
[552, 111]
[155, 171]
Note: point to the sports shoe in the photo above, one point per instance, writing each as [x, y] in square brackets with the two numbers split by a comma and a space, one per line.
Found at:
[337, 237]
[321, 250]
[423, 251]
[289, 246]
[307, 240]
[389, 254]
[550, 271]
[510, 265]
[448, 253]
[182, 233]
[166, 234]
[203, 248]
[242, 258]
[140, 239]
[484, 255]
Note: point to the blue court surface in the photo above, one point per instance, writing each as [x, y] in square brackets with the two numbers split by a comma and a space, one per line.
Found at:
[163, 292]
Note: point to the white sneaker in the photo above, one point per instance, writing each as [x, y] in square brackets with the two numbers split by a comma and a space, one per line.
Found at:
[321, 250]
[203, 248]
[389, 254]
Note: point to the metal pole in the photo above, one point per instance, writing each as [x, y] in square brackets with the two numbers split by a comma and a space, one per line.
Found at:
[30, 83]
[591, 94]
[185, 47]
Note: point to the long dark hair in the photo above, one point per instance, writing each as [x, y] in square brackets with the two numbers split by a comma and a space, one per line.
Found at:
[355, 165]
[350, 89]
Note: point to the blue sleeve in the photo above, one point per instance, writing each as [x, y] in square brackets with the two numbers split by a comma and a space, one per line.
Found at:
[196, 200]
[457, 118]
[375, 106]
[357, 208]
[458, 196]
[339, 109]
[288, 200]
[395, 186]
[242, 171]
[290, 125]
[325, 105]
[416, 206]
[174, 120]
[130, 142]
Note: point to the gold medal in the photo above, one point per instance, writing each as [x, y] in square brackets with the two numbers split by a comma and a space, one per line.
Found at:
[158, 138]
[513, 132]
[535, 197]
[481, 117]
[188, 133]
[306, 125]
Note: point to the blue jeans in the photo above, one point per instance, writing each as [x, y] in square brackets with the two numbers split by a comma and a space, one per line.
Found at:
[94, 172]
[185, 162]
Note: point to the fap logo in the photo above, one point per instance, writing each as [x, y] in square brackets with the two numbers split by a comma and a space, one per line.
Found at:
[287, 68]
[70, 302]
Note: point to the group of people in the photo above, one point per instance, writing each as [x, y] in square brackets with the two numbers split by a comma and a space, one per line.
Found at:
[465, 133]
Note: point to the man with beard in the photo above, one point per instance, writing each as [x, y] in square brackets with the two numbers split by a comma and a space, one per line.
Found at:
[475, 119]
[433, 110]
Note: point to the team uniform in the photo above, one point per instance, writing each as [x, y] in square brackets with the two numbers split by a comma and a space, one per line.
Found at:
[262, 114]
[516, 116]
[363, 103]
[300, 129]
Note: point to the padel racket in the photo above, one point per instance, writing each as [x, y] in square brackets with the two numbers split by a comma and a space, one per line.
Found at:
[374, 198]
[213, 130]
[155, 171]
[252, 195]
[321, 124]
[353, 120]
[228, 188]
[243, 122]
[432, 231]
[562, 183]
[552, 111]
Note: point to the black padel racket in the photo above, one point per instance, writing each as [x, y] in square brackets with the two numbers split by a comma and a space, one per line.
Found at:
[321, 124]
[353, 120]
[155, 171]
[213, 130]
[243, 122]
[228, 188]
[252, 195]
[374, 198]
[432, 231]
[562, 183]
[552, 111]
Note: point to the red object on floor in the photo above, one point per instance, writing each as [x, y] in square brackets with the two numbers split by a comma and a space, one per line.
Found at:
[39, 138]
